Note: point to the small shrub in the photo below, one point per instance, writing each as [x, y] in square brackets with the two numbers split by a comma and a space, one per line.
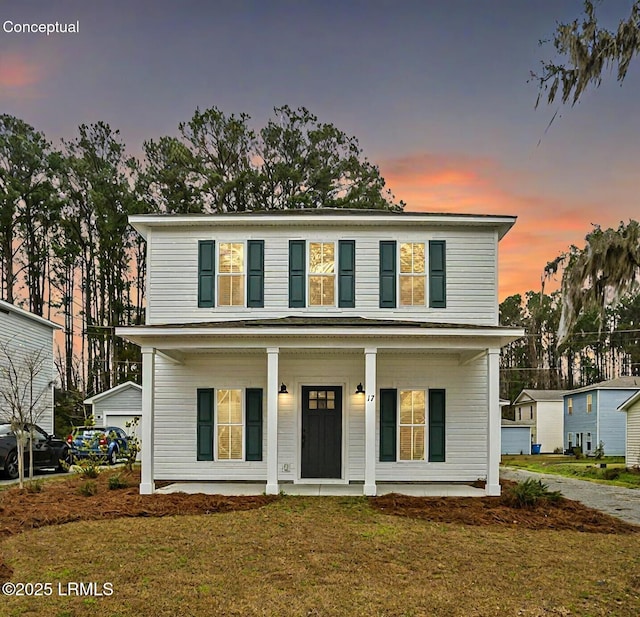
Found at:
[88, 489]
[577, 452]
[116, 482]
[558, 451]
[612, 474]
[35, 486]
[598, 453]
[529, 493]
[89, 467]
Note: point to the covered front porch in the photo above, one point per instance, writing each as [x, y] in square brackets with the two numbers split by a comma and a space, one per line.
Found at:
[355, 359]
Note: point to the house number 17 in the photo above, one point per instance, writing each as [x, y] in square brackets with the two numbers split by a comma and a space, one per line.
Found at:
[370, 397]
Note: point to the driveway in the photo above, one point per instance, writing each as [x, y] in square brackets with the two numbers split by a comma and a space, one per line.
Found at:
[615, 500]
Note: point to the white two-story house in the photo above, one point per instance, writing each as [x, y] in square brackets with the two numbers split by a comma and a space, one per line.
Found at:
[321, 346]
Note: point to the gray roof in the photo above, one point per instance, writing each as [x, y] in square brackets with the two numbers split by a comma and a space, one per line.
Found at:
[620, 383]
[327, 322]
[542, 395]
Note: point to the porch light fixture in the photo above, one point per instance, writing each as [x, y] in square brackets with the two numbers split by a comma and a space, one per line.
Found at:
[283, 389]
[359, 389]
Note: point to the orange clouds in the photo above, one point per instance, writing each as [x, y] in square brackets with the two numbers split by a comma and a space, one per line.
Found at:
[17, 73]
[546, 226]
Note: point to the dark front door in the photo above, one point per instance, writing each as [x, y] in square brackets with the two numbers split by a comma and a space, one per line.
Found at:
[321, 432]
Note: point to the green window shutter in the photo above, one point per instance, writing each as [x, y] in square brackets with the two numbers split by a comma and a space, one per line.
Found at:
[437, 437]
[253, 433]
[206, 273]
[437, 274]
[347, 273]
[255, 273]
[205, 424]
[387, 274]
[388, 424]
[297, 273]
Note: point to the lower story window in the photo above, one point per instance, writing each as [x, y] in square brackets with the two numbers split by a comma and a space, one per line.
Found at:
[229, 425]
[412, 425]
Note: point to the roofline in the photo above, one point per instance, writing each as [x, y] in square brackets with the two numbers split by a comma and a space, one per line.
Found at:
[7, 307]
[107, 393]
[535, 400]
[634, 398]
[597, 387]
[142, 223]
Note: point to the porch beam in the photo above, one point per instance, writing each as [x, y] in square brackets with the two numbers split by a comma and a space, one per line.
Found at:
[468, 357]
[147, 482]
[493, 422]
[175, 357]
[370, 357]
[272, 420]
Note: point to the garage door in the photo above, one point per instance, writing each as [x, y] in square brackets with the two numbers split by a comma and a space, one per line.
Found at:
[516, 440]
[121, 421]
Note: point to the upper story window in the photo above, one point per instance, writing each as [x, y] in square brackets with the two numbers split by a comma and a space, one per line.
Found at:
[589, 403]
[322, 274]
[231, 274]
[412, 274]
[570, 406]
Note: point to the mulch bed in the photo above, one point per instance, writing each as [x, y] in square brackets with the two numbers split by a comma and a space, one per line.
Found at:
[559, 515]
[60, 502]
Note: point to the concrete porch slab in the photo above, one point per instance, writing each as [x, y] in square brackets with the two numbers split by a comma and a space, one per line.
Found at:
[320, 490]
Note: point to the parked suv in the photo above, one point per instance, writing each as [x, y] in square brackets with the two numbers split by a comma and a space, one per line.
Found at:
[49, 451]
[110, 443]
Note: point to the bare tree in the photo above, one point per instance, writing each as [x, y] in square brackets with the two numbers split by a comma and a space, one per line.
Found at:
[22, 400]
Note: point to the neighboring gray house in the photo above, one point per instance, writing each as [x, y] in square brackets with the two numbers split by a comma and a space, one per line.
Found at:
[591, 415]
[118, 406]
[543, 411]
[324, 346]
[632, 408]
[24, 336]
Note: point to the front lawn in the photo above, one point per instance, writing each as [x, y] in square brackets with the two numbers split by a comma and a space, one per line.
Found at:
[615, 471]
[315, 556]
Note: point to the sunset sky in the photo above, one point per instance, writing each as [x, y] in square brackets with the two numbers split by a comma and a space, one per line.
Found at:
[435, 91]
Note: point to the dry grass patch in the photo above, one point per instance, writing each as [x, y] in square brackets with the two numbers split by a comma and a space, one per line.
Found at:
[325, 556]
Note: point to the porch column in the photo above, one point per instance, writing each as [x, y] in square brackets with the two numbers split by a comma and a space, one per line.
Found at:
[272, 421]
[370, 355]
[147, 484]
[494, 422]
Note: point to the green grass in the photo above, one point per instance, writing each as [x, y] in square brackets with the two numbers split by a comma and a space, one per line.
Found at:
[323, 556]
[584, 469]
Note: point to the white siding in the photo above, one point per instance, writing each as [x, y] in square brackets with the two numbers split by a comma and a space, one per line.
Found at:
[175, 412]
[127, 402]
[550, 425]
[470, 265]
[24, 338]
[633, 436]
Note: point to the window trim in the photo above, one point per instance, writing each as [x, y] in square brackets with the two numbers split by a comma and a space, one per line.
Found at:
[400, 274]
[217, 423]
[425, 425]
[589, 403]
[309, 274]
[570, 406]
[218, 274]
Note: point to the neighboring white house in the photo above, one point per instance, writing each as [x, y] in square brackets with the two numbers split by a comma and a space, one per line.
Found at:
[543, 411]
[28, 337]
[118, 406]
[632, 451]
[328, 346]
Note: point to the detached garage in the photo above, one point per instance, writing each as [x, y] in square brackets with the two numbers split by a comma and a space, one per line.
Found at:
[117, 406]
[516, 439]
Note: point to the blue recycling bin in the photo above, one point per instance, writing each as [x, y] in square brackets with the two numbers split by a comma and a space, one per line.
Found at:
[535, 448]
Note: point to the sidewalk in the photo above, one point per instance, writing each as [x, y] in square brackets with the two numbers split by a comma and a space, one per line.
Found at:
[615, 500]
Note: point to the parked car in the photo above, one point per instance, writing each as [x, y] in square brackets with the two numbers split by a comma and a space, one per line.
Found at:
[109, 442]
[49, 451]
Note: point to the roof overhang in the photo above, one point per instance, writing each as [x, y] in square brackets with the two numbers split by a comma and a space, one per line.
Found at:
[418, 336]
[111, 392]
[630, 402]
[335, 217]
[7, 307]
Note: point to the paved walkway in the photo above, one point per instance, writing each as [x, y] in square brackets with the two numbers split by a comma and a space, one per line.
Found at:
[615, 500]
